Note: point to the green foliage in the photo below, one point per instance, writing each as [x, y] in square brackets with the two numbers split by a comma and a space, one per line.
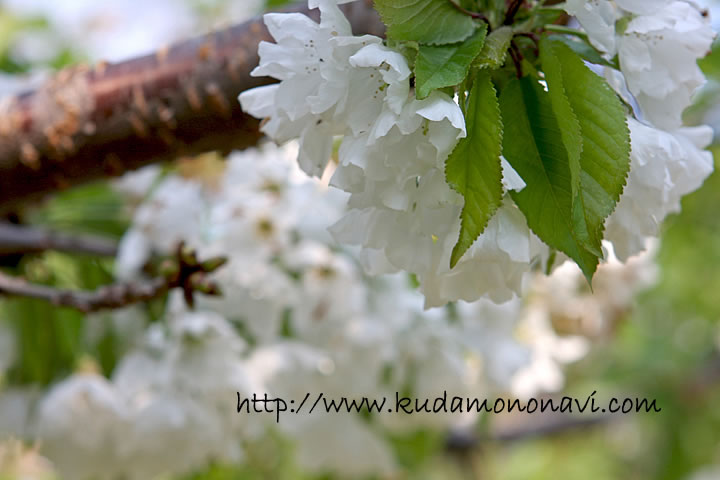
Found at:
[446, 65]
[51, 340]
[95, 208]
[433, 22]
[604, 137]
[414, 449]
[495, 49]
[533, 145]
[690, 252]
[269, 4]
[576, 137]
[566, 118]
[571, 145]
[710, 65]
[494, 10]
[48, 341]
[473, 168]
[569, 142]
[585, 50]
[13, 26]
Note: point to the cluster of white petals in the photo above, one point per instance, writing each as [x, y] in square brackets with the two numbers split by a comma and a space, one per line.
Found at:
[300, 313]
[657, 43]
[664, 166]
[403, 214]
[298, 316]
[562, 315]
[161, 400]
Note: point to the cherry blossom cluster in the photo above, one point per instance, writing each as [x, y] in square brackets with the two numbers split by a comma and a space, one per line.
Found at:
[657, 44]
[391, 159]
[298, 316]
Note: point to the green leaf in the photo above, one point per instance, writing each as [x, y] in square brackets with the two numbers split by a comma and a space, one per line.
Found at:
[495, 49]
[534, 147]
[446, 65]
[433, 22]
[585, 50]
[566, 118]
[710, 64]
[473, 169]
[276, 3]
[605, 155]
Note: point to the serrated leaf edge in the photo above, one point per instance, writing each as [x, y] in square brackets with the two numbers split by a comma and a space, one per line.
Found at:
[454, 256]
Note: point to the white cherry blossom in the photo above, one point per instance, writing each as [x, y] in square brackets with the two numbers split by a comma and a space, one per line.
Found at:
[658, 52]
[664, 166]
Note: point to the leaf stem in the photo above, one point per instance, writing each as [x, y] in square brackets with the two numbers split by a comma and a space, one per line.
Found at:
[512, 11]
[534, 37]
[516, 58]
[474, 15]
[567, 31]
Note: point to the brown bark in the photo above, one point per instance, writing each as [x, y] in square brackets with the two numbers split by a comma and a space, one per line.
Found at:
[107, 297]
[85, 124]
[183, 271]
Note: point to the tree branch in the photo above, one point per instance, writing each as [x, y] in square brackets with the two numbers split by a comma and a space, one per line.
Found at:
[552, 425]
[85, 124]
[19, 239]
[108, 297]
[183, 271]
[692, 390]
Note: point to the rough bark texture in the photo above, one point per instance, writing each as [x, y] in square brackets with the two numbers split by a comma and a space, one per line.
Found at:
[84, 124]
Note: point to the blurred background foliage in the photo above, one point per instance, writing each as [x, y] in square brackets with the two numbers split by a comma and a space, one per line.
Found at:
[665, 349]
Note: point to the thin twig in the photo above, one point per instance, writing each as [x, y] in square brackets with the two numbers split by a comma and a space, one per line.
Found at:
[692, 390]
[557, 424]
[19, 239]
[108, 297]
[184, 271]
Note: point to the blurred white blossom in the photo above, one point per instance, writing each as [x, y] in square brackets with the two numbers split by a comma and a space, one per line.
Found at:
[299, 316]
[115, 30]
